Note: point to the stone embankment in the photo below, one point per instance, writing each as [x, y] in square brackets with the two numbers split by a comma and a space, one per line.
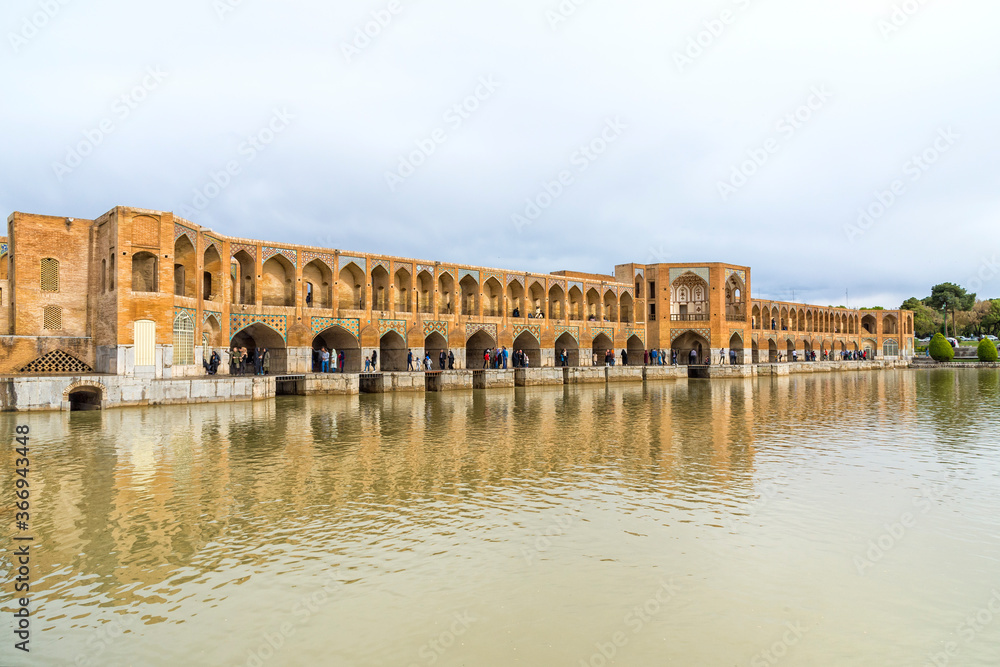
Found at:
[22, 394]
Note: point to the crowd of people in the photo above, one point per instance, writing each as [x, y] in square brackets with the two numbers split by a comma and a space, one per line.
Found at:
[242, 361]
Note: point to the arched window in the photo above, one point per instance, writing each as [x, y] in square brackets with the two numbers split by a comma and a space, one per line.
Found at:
[104, 274]
[52, 318]
[144, 272]
[111, 273]
[183, 339]
[50, 275]
[890, 348]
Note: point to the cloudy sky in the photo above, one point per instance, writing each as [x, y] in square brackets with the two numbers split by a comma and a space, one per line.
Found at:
[530, 134]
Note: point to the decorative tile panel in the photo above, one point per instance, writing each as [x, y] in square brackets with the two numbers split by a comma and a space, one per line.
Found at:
[493, 274]
[246, 247]
[701, 273]
[208, 313]
[3, 249]
[442, 270]
[738, 332]
[287, 253]
[512, 278]
[468, 272]
[439, 327]
[472, 329]
[384, 263]
[347, 259]
[385, 326]
[742, 275]
[212, 241]
[534, 329]
[638, 273]
[572, 331]
[677, 333]
[579, 286]
[320, 324]
[309, 255]
[425, 267]
[638, 333]
[607, 331]
[181, 230]
[239, 322]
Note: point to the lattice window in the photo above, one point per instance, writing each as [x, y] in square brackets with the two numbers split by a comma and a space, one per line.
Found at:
[890, 348]
[206, 348]
[52, 318]
[183, 339]
[56, 361]
[50, 275]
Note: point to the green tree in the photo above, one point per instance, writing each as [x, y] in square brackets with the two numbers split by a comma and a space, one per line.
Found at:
[991, 319]
[951, 297]
[926, 321]
[987, 350]
[940, 349]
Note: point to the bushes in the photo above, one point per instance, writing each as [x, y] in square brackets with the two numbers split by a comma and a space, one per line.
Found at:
[941, 349]
[987, 350]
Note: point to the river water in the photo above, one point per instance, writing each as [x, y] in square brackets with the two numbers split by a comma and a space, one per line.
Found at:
[824, 519]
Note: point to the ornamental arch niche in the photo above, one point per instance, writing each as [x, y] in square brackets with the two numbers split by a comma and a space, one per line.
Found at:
[261, 335]
[317, 285]
[602, 343]
[476, 347]
[403, 287]
[351, 284]
[470, 296]
[392, 353]
[380, 289]
[144, 272]
[425, 292]
[278, 282]
[527, 343]
[736, 307]
[337, 339]
[515, 298]
[185, 267]
[572, 348]
[689, 297]
[688, 341]
[446, 293]
[211, 289]
[243, 270]
[492, 298]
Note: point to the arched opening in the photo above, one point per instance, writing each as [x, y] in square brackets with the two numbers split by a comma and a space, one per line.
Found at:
[890, 325]
[263, 337]
[783, 319]
[185, 267]
[735, 349]
[392, 353]
[868, 345]
[104, 269]
[212, 328]
[351, 288]
[789, 349]
[493, 295]
[687, 343]
[476, 347]
[85, 398]
[527, 343]
[754, 353]
[755, 318]
[244, 268]
[425, 292]
[515, 299]
[567, 345]
[602, 343]
[868, 324]
[807, 349]
[434, 345]
[404, 291]
[689, 298]
[470, 296]
[627, 305]
[593, 305]
[536, 300]
[211, 279]
[800, 321]
[610, 306]
[278, 282]
[575, 303]
[636, 351]
[144, 272]
[380, 289]
[772, 351]
[446, 292]
[338, 340]
[809, 321]
[736, 309]
[317, 280]
[183, 339]
[557, 303]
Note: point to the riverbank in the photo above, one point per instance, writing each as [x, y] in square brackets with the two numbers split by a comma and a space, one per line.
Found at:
[97, 392]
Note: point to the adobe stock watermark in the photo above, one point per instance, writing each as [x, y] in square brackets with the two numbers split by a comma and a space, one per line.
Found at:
[562, 12]
[453, 119]
[301, 610]
[542, 543]
[968, 631]
[367, 33]
[902, 13]
[121, 109]
[913, 170]
[32, 26]
[712, 30]
[988, 270]
[785, 128]
[247, 152]
[581, 159]
[225, 7]
[635, 620]
[773, 654]
[437, 646]
[896, 531]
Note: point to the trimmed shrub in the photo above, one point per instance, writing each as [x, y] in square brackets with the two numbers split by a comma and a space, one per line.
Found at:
[987, 350]
[941, 349]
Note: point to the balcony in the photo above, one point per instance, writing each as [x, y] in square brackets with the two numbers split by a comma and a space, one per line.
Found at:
[689, 318]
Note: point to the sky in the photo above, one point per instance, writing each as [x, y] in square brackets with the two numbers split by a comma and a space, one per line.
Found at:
[844, 150]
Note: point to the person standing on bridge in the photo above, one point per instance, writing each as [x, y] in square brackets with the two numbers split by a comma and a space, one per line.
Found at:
[409, 360]
[451, 360]
[442, 358]
[324, 360]
[693, 357]
[374, 360]
[624, 357]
